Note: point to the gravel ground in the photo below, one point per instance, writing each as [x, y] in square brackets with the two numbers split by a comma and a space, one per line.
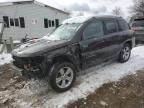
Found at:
[126, 93]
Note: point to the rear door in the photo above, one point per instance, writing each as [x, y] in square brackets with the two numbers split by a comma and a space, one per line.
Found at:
[124, 31]
[111, 37]
[92, 45]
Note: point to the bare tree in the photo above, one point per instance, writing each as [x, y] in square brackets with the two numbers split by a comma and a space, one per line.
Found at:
[117, 11]
[138, 7]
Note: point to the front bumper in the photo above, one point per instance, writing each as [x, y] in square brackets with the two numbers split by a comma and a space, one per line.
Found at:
[27, 65]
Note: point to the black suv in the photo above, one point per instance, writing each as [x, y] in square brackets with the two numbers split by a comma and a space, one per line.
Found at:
[77, 44]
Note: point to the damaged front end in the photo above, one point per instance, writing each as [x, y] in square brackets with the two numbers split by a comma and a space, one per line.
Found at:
[31, 66]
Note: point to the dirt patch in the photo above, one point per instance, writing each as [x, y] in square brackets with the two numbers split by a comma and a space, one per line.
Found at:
[8, 78]
[17, 91]
[126, 93]
[9, 82]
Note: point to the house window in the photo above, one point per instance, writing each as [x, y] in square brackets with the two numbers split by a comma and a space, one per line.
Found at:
[11, 22]
[22, 22]
[16, 22]
[50, 23]
[53, 23]
[45, 23]
[6, 20]
[57, 22]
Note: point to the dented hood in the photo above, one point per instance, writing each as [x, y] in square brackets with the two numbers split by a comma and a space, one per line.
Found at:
[37, 47]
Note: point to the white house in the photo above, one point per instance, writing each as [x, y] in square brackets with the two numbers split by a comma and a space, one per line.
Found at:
[29, 17]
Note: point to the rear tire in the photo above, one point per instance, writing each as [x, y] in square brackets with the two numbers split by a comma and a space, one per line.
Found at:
[62, 76]
[125, 53]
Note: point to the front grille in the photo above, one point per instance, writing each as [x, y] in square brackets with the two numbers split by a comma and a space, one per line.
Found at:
[21, 61]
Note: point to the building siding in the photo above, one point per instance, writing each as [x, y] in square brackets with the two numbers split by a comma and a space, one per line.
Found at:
[31, 13]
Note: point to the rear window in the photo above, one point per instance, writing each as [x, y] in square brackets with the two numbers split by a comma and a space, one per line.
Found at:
[140, 19]
[123, 25]
[138, 23]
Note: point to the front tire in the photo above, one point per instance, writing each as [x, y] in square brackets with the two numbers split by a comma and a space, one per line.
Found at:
[125, 53]
[62, 76]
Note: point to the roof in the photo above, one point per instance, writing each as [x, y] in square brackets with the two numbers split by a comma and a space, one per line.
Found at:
[16, 2]
[82, 19]
[79, 19]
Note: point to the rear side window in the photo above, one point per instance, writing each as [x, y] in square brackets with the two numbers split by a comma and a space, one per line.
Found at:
[93, 30]
[110, 26]
[123, 25]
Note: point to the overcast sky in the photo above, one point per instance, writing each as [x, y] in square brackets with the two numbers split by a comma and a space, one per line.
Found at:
[89, 6]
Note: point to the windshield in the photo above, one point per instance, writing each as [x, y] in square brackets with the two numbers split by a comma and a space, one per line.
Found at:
[138, 24]
[64, 32]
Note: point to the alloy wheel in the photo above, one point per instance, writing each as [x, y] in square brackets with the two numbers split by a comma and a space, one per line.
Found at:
[64, 77]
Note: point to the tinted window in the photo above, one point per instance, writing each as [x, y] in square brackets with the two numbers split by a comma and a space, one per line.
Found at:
[140, 19]
[22, 22]
[45, 23]
[11, 22]
[6, 20]
[110, 26]
[123, 25]
[16, 22]
[93, 30]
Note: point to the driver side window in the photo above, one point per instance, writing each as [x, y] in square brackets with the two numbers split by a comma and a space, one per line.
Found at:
[93, 30]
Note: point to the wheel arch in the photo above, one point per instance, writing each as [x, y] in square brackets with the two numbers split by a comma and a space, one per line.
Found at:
[65, 58]
[129, 42]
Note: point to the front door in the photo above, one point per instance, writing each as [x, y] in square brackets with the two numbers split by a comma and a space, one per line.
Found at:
[92, 45]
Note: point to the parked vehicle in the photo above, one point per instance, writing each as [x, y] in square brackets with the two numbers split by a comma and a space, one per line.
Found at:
[138, 26]
[76, 45]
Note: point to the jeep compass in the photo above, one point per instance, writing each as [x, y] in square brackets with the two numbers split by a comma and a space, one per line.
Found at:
[77, 44]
